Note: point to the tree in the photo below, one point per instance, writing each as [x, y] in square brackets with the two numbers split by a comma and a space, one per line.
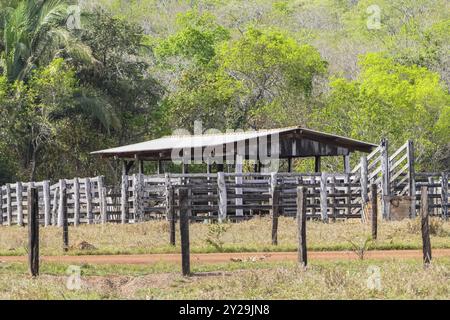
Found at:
[122, 77]
[273, 74]
[390, 100]
[34, 33]
[35, 109]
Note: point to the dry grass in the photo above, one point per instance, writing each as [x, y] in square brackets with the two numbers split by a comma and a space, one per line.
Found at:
[402, 279]
[253, 235]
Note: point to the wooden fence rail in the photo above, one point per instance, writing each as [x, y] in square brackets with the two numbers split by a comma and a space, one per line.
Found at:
[218, 196]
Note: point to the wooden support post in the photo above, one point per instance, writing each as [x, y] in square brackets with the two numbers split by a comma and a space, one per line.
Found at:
[424, 212]
[47, 206]
[184, 231]
[323, 197]
[141, 166]
[301, 221]
[55, 207]
[317, 164]
[238, 180]
[65, 220]
[76, 199]
[33, 231]
[19, 201]
[222, 192]
[8, 205]
[374, 210]
[137, 197]
[89, 214]
[290, 164]
[276, 195]
[385, 180]
[62, 192]
[102, 199]
[185, 168]
[411, 178]
[171, 214]
[444, 194]
[159, 168]
[347, 168]
[124, 199]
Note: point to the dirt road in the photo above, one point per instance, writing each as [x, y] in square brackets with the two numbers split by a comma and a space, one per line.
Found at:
[229, 257]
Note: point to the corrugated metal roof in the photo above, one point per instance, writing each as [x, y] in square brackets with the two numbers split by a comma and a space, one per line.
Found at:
[211, 140]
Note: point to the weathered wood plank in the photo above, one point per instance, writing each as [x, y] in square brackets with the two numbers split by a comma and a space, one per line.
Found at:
[62, 204]
[222, 191]
[424, 212]
[47, 200]
[301, 223]
[33, 231]
[76, 199]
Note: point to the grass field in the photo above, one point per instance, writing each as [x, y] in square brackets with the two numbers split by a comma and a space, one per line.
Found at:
[399, 279]
[253, 235]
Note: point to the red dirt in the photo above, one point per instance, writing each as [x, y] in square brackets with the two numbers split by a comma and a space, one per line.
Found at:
[228, 257]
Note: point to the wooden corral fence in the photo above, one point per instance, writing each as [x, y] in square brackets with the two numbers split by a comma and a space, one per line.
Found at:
[233, 196]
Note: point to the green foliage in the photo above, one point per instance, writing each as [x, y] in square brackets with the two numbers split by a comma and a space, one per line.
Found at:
[270, 71]
[216, 231]
[388, 100]
[196, 39]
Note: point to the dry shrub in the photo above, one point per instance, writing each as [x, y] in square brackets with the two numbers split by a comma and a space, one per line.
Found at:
[436, 226]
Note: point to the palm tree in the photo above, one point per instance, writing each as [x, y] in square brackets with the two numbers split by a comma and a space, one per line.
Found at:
[34, 33]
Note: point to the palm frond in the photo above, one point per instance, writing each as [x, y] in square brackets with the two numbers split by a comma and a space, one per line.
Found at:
[100, 109]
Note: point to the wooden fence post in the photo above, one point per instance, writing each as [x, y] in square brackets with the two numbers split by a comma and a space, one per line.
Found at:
[424, 212]
[364, 180]
[1, 205]
[19, 201]
[87, 189]
[76, 204]
[62, 192]
[323, 197]
[55, 207]
[374, 209]
[47, 206]
[8, 205]
[431, 190]
[301, 222]
[364, 185]
[238, 180]
[385, 179]
[137, 197]
[444, 194]
[33, 231]
[275, 213]
[411, 178]
[171, 214]
[333, 210]
[184, 231]
[222, 191]
[124, 199]
[102, 199]
[65, 220]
